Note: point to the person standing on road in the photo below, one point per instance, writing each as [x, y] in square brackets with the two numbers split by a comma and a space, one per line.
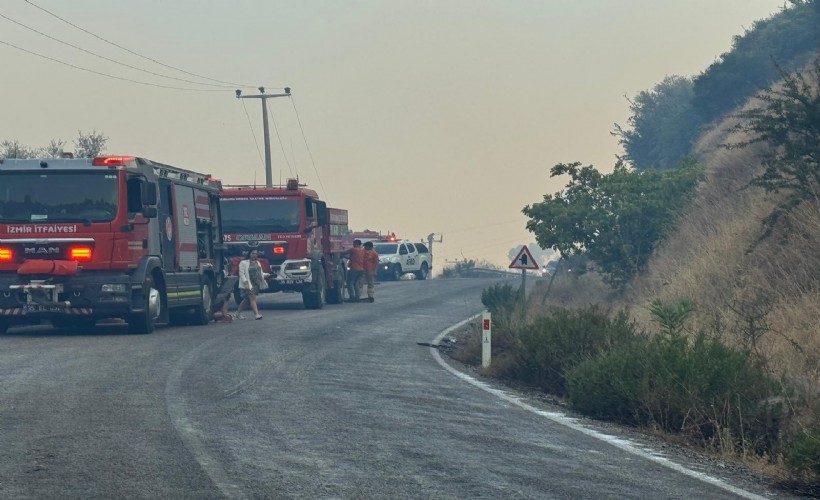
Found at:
[251, 280]
[223, 316]
[355, 269]
[371, 262]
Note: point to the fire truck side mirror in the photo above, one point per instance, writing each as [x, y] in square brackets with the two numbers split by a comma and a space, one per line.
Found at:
[321, 213]
[149, 194]
[149, 212]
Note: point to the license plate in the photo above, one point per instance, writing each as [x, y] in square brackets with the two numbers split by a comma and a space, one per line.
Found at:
[41, 308]
[291, 282]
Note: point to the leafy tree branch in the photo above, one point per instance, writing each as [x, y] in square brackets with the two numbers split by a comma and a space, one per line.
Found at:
[616, 220]
[788, 121]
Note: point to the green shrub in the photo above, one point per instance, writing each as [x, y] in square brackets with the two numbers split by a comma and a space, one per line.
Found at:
[501, 300]
[702, 389]
[671, 317]
[550, 346]
[803, 455]
[610, 386]
[459, 269]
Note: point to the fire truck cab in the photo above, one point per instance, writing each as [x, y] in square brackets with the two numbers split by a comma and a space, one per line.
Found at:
[109, 237]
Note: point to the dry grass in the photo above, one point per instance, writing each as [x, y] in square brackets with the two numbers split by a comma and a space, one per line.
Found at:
[762, 293]
[564, 294]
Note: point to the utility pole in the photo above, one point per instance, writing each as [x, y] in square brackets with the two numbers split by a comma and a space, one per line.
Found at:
[264, 97]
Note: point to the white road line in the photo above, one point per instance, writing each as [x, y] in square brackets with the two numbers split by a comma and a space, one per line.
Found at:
[562, 419]
[192, 437]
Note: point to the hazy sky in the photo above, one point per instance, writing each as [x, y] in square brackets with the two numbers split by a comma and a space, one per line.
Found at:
[420, 116]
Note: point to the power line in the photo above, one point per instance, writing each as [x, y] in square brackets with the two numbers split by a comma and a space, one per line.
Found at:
[473, 248]
[261, 160]
[131, 51]
[108, 58]
[279, 138]
[482, 226]
[106, 74]
[310, 154]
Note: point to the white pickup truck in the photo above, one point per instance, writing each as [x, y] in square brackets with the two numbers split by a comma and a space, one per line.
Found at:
[399, 257]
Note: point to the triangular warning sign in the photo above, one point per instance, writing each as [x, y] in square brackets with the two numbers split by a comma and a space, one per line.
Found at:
[524, 260]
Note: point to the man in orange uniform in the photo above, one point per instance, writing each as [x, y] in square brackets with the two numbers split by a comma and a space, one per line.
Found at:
[355, 268]
[371, 261]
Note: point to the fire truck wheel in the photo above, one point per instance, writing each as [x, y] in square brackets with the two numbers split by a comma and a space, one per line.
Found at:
[203, 312]
[145, 322]
[315, 299]
[4, 326]
[336, 294]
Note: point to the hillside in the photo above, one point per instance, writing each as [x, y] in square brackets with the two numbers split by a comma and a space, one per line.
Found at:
[761, 295]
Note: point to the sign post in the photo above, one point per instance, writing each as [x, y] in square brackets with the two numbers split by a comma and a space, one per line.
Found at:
[524, 260]
[486, 340]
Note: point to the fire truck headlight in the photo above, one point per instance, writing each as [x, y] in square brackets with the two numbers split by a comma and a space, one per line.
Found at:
[114, 288]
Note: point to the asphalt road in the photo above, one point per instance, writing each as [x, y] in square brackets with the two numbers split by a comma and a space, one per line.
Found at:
[341, 402]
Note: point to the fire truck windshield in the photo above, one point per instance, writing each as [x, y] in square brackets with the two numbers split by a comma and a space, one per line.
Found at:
[260, 215]
[58, 196]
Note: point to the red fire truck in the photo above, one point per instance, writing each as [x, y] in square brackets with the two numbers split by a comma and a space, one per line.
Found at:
[109, 237]
[368, 235]
[298, 238]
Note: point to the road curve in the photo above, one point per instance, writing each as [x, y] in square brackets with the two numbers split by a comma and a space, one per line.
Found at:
[340, 402]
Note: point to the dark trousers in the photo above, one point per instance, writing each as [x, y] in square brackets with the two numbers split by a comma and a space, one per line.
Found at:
[353, 286]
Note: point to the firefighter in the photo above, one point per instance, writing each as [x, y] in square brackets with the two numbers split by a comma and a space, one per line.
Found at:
[355, 269]
[371, 262]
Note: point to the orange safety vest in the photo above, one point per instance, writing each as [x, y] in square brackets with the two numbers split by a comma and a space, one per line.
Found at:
[356, 259]
[371, 260]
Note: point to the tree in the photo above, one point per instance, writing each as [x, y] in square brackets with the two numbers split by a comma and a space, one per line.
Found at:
[89, 145]
[788, 120]
[54, 149]
[86, 146]
[789, 37]
[662, 127]
[616, 220]
[13, 149]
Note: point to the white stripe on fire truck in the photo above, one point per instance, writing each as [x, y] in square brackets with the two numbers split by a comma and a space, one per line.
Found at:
[74, 311]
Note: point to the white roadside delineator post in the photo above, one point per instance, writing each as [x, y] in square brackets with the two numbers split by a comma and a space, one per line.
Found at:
[486, 341]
